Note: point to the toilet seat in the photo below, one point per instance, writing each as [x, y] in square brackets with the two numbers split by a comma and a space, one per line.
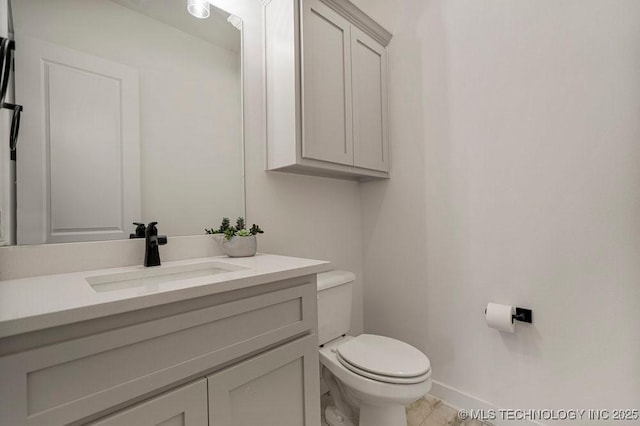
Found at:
[384, 359]
[381, 378]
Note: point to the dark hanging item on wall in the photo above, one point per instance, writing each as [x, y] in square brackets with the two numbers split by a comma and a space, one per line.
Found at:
[6, 47]
[15, 128]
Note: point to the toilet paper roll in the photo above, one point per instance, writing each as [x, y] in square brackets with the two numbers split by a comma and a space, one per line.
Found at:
[500, 317]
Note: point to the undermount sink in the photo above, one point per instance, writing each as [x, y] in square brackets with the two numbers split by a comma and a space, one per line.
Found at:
[158, 275]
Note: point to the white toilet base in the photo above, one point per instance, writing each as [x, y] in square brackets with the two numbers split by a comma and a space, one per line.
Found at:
[335, 418]
[388, 415]
[370, 415]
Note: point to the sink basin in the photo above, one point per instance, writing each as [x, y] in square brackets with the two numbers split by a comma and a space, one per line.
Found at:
[158, 275]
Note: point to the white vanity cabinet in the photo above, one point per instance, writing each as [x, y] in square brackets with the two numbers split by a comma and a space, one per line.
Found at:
[232, 358]
[326, 84]
[185, 406]
[269, 389]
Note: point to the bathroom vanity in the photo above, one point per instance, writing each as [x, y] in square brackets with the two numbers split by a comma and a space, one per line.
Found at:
[210, 341]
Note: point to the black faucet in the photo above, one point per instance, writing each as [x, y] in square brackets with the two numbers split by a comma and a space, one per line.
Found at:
[141, 231]
[153, 241]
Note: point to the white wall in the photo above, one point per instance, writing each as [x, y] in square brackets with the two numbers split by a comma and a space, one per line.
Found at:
[515, 130]
[190, 105]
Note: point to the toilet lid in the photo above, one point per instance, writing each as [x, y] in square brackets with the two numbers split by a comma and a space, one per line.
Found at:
[384, 356]
[381, 378]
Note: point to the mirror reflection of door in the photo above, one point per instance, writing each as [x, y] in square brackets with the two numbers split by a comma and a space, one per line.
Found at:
[80, 171]
[132, 114]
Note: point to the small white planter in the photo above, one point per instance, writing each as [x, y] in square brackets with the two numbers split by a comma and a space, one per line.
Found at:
[238, 246]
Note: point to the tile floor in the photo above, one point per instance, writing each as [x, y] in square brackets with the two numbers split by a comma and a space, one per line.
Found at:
[429, 411]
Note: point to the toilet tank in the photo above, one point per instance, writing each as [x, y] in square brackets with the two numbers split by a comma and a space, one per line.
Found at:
[334, 304]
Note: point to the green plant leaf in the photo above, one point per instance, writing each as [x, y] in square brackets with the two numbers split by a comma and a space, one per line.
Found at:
[255, 229]
[230, 231]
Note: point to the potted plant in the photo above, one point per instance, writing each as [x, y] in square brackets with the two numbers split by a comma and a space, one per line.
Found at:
[236, 241]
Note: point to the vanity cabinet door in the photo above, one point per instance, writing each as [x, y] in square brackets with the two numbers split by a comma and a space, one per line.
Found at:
[370, 125]
[278, 388]
[326, 75]
[185, 406]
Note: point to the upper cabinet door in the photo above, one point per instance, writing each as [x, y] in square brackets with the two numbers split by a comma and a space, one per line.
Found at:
[326, 80]
[370, 122]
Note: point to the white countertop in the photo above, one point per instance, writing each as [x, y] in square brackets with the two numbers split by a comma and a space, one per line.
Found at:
[30, 304]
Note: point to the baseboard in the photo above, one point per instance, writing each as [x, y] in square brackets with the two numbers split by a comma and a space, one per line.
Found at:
[460, 400]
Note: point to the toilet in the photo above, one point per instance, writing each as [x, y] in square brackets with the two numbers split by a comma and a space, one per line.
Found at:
[371, 378]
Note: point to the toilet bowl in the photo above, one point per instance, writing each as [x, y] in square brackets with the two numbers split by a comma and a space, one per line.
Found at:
[371, 377]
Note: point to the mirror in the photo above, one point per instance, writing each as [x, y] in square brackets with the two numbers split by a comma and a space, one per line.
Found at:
[132, 113]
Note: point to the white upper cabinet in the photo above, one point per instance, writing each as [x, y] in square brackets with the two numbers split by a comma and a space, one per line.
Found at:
[326, 74]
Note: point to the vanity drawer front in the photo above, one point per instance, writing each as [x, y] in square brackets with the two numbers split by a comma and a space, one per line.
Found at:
[185, 406]
[72, 380]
